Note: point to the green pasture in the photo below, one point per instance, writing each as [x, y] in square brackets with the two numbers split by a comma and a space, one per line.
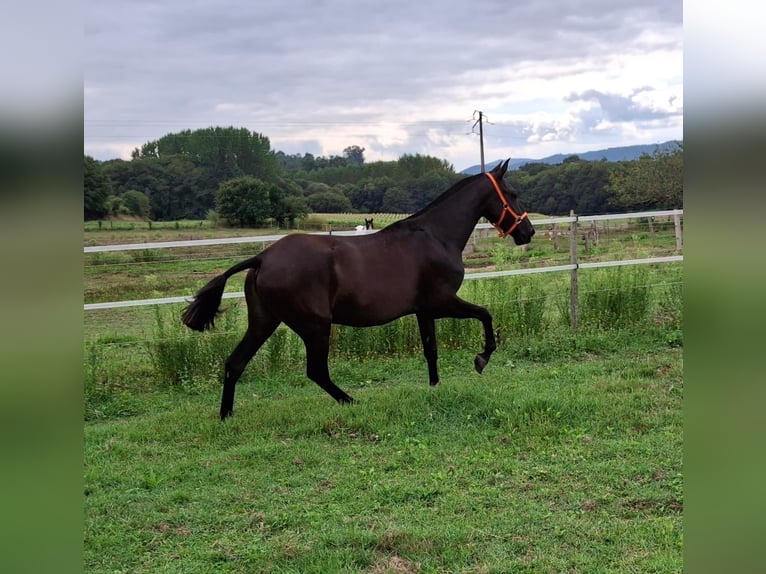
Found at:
[571, 462]
[565, 455]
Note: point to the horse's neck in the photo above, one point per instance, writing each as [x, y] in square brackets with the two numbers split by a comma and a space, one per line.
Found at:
[453, 219]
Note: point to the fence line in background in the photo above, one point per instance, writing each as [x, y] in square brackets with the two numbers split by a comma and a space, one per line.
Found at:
[480, 275]
[203, 242]
[675, 213]
[572, 267]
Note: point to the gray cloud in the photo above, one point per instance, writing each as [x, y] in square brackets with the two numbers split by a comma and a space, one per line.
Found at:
[617, 108]
[285, 67]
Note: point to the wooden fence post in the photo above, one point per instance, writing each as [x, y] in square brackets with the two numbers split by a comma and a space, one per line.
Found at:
[573, 289]
[679, 240]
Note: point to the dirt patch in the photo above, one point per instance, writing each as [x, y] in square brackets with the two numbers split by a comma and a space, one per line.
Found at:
[394, 565]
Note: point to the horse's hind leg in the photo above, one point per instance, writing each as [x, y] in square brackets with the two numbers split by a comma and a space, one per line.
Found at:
[255, 336]
[260, 325]
[427, 326]
[316, 338]
[238, 360]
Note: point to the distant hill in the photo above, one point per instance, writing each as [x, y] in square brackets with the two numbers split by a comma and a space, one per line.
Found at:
[624, 153]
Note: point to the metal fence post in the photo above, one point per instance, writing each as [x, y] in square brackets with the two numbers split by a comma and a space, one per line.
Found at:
[573, 289]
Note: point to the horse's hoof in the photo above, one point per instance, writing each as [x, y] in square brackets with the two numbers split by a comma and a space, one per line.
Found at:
[434, 383]
[479, 362]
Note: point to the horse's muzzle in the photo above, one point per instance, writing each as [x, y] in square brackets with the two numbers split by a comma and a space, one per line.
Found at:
[522, 237]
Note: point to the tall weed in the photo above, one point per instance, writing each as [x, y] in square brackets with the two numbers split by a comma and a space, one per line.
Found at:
[527, 307]
[530, 314]
[615, 297]
[192, 361]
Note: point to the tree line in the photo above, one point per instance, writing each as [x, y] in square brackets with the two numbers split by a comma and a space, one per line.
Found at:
[234, 175]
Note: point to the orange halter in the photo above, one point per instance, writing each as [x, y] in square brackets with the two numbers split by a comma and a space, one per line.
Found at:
[506, 209]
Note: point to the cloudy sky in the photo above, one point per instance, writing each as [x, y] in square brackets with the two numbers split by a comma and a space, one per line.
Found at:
[394, 77]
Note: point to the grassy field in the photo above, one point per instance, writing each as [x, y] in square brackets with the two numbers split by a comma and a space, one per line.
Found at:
[565, 455]
[571, 464]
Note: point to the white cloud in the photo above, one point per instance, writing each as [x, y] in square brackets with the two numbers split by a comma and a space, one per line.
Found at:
[394, 77]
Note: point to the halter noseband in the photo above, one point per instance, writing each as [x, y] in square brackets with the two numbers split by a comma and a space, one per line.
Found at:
[506, 209]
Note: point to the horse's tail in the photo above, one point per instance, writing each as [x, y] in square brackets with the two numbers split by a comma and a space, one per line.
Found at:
[200, 313]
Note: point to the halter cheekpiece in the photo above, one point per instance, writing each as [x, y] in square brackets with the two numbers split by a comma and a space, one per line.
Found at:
[506, 209]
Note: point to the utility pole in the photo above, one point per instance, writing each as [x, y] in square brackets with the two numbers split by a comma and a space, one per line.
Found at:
[480, 121]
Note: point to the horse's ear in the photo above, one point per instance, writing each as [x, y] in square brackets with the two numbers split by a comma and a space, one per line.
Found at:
[500, 169]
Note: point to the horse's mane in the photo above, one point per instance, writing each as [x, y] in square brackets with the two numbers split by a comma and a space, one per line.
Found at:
[455, 188]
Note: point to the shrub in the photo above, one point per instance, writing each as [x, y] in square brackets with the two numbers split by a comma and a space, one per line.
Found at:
[243, 201]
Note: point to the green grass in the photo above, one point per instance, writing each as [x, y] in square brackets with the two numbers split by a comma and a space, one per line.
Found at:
[570, 464]
[564, 455]
[133, 224]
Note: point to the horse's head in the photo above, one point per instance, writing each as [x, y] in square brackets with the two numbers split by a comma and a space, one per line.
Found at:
[504, 210]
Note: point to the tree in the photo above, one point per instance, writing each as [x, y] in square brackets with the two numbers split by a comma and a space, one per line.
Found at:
[396, 200]
[367, 195]
[244, 201]
[329, 202]
[313, 187]
[651, 182]
[286, 208]
[223, 153]
[176, 188]
[414, 166]
[428, 187]
[294, 207]
[289, 163]
[534, 168]
[137, 203]
[354, 155]
[115, 206]
[96, 188]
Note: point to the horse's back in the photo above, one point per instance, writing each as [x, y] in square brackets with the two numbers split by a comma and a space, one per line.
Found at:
[351, 280]
[361, 281]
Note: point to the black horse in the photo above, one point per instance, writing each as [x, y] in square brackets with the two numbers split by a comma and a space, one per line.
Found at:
[310, 282]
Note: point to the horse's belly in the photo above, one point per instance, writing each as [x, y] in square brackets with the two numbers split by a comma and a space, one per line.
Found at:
[370, 308]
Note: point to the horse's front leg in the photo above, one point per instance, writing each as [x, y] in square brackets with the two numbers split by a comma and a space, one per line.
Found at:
[427, 326]
[481, 359]
[459, 309]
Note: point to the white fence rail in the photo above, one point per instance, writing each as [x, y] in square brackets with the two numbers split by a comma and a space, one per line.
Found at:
[273, 238]
[572, 267]
[203, 242]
